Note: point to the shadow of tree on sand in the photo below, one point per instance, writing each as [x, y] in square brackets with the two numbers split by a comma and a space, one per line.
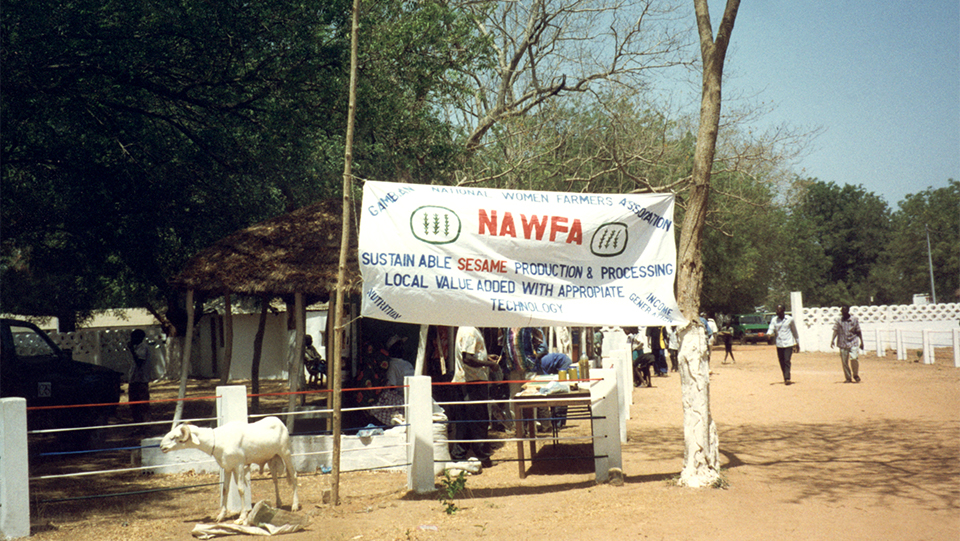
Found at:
[883, 460]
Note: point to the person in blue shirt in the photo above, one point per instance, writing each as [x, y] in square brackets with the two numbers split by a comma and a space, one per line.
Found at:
[553, 363]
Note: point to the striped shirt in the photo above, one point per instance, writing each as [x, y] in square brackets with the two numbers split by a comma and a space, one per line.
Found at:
[847, 333]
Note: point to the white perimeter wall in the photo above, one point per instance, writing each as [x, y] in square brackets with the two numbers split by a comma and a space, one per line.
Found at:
[816, 324]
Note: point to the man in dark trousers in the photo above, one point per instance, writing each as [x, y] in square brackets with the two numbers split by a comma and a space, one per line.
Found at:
[471, 420]
[783, 327]
[657, 337]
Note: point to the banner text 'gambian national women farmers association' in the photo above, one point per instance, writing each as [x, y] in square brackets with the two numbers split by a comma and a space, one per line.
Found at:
[506, 258]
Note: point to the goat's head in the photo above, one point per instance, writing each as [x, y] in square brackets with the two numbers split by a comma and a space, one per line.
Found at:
[181, 436]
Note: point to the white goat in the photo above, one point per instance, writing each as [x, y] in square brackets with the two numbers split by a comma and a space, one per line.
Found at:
[236, 446]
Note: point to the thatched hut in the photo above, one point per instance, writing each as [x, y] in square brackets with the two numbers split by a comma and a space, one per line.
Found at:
[295, 256]
[298, 252]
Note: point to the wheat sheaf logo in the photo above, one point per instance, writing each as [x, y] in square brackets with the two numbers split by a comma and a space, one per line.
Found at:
[435, 225]
[609, 239]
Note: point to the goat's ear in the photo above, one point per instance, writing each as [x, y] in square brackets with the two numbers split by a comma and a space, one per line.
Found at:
[194, 438]
[184, 433]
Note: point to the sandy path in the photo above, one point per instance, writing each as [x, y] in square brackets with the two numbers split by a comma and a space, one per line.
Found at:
[816, 460]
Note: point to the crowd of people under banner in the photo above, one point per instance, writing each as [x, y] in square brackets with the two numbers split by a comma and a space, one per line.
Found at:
[486, 360]
[483, 362]
[521, 352]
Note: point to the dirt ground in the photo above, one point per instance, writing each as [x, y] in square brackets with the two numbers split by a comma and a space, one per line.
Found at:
[820, 459]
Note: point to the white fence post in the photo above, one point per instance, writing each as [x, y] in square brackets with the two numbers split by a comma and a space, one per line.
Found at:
[901, 351]
[14, 469]
[622, 362]
[956, 348]
[419, 414]
[880, 350]
[605, 408]
[927, 348]
[232, 406]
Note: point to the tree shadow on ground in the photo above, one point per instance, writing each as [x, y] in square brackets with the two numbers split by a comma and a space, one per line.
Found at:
[884, 460]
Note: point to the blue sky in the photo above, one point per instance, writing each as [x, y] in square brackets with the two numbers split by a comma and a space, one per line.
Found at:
[880, 78]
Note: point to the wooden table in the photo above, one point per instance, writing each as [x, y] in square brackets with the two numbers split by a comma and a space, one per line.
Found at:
[524, 413]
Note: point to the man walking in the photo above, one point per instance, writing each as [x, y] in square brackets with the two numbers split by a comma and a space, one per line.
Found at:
[846, 333]
[783, 327]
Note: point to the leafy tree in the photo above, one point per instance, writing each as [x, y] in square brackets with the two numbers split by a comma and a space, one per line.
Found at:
[831, 241]
[904, 268]
[738, 252]
[137, 133]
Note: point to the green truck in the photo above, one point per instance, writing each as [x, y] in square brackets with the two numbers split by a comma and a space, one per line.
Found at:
[749, 328]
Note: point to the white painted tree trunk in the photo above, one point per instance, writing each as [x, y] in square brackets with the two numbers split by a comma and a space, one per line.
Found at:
[701, 451]
[701, 445]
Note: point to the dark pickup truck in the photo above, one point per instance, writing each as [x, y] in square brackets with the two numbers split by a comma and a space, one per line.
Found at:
[32, 366]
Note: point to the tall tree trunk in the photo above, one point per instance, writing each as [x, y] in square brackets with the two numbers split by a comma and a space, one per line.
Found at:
[257, 354]
[701, 446]
[227, 339]
[295, 366]
[185, 360]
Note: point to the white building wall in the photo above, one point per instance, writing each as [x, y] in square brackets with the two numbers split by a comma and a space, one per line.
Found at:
[276, 343]
[108, 346]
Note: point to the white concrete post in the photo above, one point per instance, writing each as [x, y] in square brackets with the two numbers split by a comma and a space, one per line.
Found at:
[796, 310]
[419, 413]
[901, 351]
[232, 406]
[622, 362]
[624, 389]
[927, 348]
[613, 339]
[604, 407]
[14, 469]
[956, 348]
[880, 349]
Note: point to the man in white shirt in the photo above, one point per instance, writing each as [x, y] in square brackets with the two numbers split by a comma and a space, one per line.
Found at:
[783, 327]
[470, 421]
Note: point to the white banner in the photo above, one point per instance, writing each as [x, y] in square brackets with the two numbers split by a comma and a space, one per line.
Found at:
[504, 258]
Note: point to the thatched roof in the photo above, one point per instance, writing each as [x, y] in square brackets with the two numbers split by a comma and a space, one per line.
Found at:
[296, 252]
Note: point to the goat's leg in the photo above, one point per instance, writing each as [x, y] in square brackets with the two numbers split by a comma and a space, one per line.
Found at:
[275, 464]
[242, 478]
[287, 458]
[225, 490]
